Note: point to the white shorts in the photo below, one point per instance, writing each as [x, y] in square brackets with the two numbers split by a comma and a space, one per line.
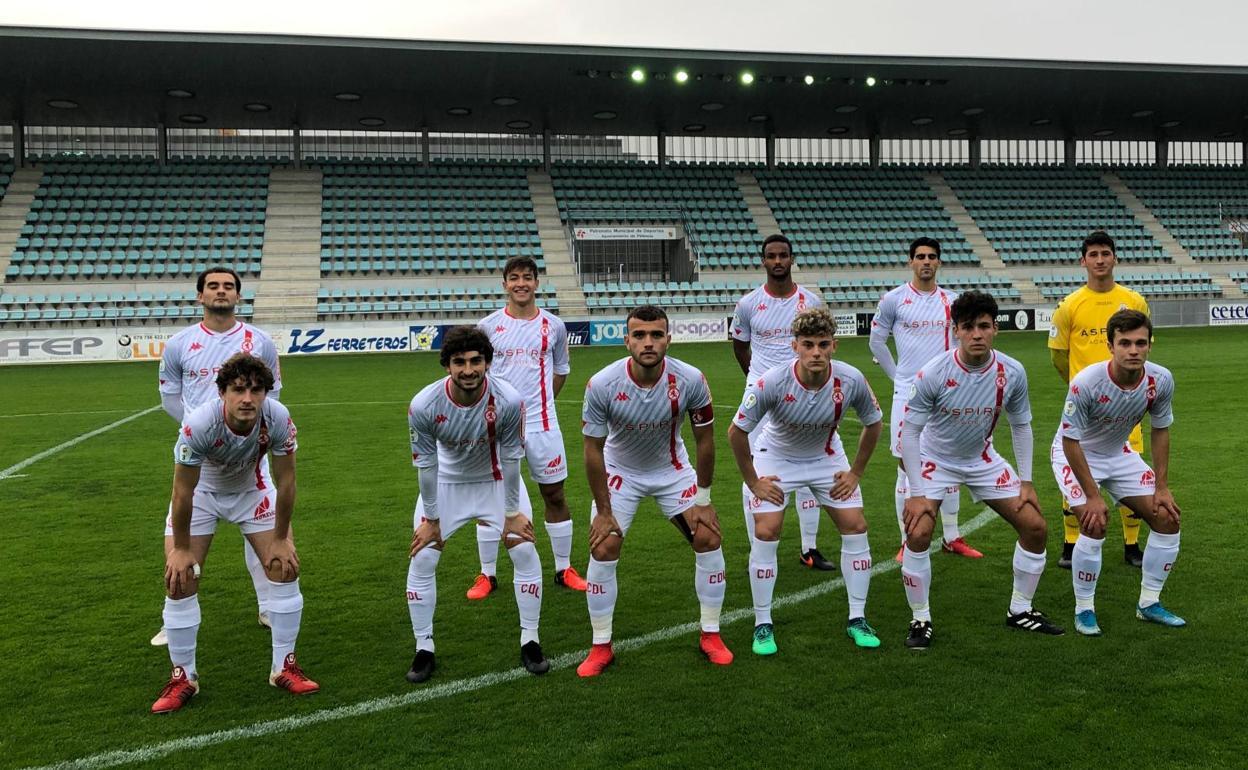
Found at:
[1121, 475]
[674, 492]
[460, 503]
[253, 511]
[901, 395]
[991, 480]
[548, 461]
[815, 477]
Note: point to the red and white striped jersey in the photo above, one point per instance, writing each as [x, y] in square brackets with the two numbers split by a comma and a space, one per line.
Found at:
[467, 443]
[766, 322]
[193, 356]
[528, 353]
[960, 407]
[642, 425]
[920, 323]
[802, 422]
[1100, 414]
[231, 463]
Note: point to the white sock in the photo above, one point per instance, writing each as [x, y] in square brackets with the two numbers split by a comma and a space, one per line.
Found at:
[601, 592]
[763, 570]
[1028, 567]
[181, 617]
[285, 613]
[1085, 569]
[900, 493]
[259, 580]
[708, 584]
[856, 567]
[527, 582]
[808, 512]
[916, 576]
[487, 549]
[949, 508]
[560, 534]
[422, 595]
[1159, 555]
[746, 496]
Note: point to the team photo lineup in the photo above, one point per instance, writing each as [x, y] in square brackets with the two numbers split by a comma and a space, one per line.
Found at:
[471, 431]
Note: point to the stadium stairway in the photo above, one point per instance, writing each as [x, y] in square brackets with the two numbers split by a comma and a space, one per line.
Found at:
[980, 246]
[290, 262]
[760, 209]
[13, 209]
[560, 269]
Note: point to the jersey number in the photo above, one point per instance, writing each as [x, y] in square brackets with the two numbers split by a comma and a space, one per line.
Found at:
[928, 468]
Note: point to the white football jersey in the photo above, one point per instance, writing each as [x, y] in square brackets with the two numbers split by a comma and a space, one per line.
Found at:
[642, 425]
[231, 463]
[921, 325]
[1100, 414]
[802, 423]
[766, 322]
[528, 353]
[468, 443]
[193, 356]
[959, 407]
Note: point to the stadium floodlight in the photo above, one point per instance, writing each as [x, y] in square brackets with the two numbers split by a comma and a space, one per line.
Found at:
[681, 76]
[809, 80]
[747, 78]
[638, 75]
[870, 81]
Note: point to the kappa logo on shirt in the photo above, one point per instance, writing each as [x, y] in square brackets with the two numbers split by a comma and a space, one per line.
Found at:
[500, 328]
[440, 419]
[196, 346]
[1148, 479]
[1074, 389]
[186, 431]
[789, 398]
[1103, 399]
[1003, 480]
[907, 301]
[622, 396]
[762, 306]
[951, 383]
[219, 442]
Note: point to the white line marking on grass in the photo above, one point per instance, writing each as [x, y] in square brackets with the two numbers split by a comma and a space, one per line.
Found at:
[12, 469]
[59, 414]
[458, 687]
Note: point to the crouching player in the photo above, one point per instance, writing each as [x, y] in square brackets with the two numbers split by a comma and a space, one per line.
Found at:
[800, 448]
[1103, 406]
[218, 476]
[946, 440]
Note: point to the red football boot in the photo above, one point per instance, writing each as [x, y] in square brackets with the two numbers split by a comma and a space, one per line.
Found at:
[292, 678]
[960, 548]
[600, 656]
[177, 693]
[714, 648]
[570, 578]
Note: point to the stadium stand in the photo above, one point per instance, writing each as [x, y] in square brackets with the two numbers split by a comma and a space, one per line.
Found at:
[859, 217]
[6, 173]
[106, 306]
[1191, 203]
[1041, 215]
[1161, 285]
[360, 303]
[1240, 277]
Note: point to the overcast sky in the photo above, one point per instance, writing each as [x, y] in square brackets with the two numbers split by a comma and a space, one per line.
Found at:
[1186, 31]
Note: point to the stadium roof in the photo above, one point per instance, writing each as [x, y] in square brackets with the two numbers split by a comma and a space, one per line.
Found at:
[266, 81]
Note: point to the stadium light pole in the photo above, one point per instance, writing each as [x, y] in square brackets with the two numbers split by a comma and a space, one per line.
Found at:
[681, 76]
[870, 81]
[638, 75]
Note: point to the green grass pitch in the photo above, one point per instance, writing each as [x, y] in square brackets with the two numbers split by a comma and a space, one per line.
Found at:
[80, 593]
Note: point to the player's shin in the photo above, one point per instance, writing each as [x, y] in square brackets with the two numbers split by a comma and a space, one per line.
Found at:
[259, 580]
[708, 583]
[900, 493]
[1160, 553]
[916, 576]
[764, 566]
[600, 595]
[422, 595]
[746, 496]
[856, 567]
[949, 508]
[285, 613]
[182, 617]
[527, 583]
[560, 534]
[808, 513]
[487, 549]
[1085, 570]
[1028, 567]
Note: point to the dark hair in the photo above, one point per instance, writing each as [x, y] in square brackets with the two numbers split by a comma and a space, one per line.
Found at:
[775, 238]
[519, 263]
[971, 305]
[245, 367]
[462, 339]
[1098, 238]
[923, 240]
[1127, 321]
[648, 313]
[199, 282]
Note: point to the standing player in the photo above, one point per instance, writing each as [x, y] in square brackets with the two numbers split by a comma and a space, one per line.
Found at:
[188, 369]
[946, 440]
[916, 314]
[531, 355]
[217, 477]
[762, 337]
[1103, 407]
[467, 432]
[633, 449]
[800, 448]
[1076, 341]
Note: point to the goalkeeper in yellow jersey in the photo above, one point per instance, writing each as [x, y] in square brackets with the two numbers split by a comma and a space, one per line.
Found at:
[1077, 341]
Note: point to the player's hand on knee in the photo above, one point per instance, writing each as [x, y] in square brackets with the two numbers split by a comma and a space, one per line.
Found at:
[282, 560]
[518, 528]
[766, 489]
[1164, 506]
[181, 571]
[427, 534]
[1093, 517]
[703, 516]
[603, 526]
[915, 509]
[843, 484]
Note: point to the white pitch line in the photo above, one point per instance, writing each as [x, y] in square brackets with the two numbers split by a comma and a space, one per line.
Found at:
[458, 687]
[59, 414]
[13, 469]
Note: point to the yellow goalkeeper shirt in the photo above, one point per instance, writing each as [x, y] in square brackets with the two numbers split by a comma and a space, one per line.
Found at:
[1080, 319]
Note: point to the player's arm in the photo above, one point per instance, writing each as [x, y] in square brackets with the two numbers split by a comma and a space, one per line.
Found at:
[1061, 362]
[881, 326]
[1162, 416]
[282, 549]
[561, 360]
[742, 351]
[1095, 512]
[516, 526]
[740, 332]
[170, 379]
[1059, 341]
[180, 565]
[702, 418]
[425, 460]
[269, 356]
[594, 429]
[920, 405]
[172, 404]
[868, 410]
[1018, 413]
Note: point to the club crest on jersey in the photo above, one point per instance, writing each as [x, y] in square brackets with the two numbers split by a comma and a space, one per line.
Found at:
[1151, 393]
[490, 413]
[1001, 381]
[673, 393]
[837, 396]
[801, 301]
[247, 345]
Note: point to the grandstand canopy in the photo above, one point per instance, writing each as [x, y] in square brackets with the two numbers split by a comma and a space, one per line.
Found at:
[102, 78]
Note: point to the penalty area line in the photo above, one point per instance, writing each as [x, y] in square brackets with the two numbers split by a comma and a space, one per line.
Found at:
[13, 469]
[565, 660]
